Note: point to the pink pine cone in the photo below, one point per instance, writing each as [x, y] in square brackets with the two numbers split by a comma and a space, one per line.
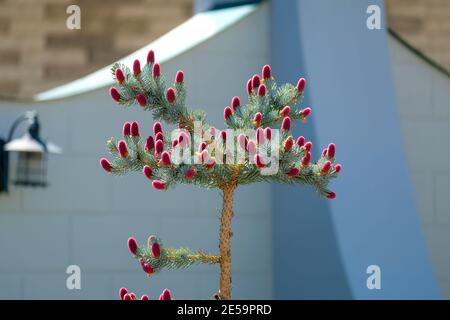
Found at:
[156, 70]
[148, 172]
[157, 127]
[132, 245]
[286, 124]
[166, 295]
[134, 131]
[159, 185]
[266, 72]
[179, 78]
[331, 151]
[170, 95]
[151, 56]
[149, 144]
[136, 67]
[141, 99]
[262, 90]
[114, 93]
[123, 149]
[301, 84]
[285, 111]
[156, 250]
[106, 165]
[126, 130]
[120, 77]
[235, 103]
[227, 112]
[122, 293]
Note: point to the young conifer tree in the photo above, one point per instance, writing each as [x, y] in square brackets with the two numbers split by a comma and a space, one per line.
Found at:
[250, 149]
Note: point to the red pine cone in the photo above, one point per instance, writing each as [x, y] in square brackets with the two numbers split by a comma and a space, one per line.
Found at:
[159, 185]
[166, 295]
[148, 172]
[285, 111]
[257, 119]
[326, 167]
[223, 135]
[249, 86]
[165, 159]
[293, 172]
[106, 165]
[266, 72]
[141, 99]
[156, 70]
[132, 296]
[145, 297]
[338, 168]
[122, 293]
[286, 124]
[256, 81]
[126, 130]
[331, 151]
[174, 144]
[151, 56]
[324, 152]
[159, 147]
[114, 93]
[136, 67]
[301, 85]
[120, 77]
[306, 159]
[288, 143]
[156, 250]
[134, 131]
[300, 141]
[127, 296]
[190, 173]
[227, 112]
[147, 268]
[132, 245]
[308, 146]
[159, 136]
[305, 112]
[170, 95]
[183, 139]
[149, 144]
[262, 90]
[157, 127]
[331, 195]
[123, 149]
[179, 78]
[235, 103]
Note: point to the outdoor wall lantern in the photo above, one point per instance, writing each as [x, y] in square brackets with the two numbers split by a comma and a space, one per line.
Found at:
[32, 151]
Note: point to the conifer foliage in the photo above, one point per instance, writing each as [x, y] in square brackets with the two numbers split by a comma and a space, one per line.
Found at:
[255, 145]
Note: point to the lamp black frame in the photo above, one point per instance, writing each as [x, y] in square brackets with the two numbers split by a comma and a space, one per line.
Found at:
[33, 130]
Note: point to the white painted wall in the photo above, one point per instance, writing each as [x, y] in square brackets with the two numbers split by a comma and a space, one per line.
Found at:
[423, 99]
[85, 216]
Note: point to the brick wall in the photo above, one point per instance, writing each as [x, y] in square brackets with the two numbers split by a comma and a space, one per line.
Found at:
[425, 24]
[38, 52]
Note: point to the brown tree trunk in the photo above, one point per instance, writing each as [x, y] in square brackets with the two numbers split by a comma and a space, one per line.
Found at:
[225, 243]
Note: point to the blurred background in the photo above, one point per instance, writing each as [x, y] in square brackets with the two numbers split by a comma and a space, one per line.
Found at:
[381, 93]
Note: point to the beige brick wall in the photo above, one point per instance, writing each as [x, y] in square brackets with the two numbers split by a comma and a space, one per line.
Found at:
[38, 52]
[425, 24]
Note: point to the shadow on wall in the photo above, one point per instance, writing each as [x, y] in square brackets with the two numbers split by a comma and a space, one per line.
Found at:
[305, 250]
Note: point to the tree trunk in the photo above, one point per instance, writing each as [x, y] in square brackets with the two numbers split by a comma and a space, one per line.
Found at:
[225, 243]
